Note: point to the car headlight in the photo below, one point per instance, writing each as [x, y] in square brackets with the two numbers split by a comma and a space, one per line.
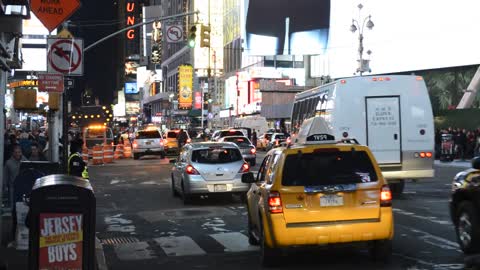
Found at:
[459, 180]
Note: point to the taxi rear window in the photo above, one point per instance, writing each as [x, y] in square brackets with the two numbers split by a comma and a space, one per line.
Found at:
[216, 155]
[172, 134]
[327, 168]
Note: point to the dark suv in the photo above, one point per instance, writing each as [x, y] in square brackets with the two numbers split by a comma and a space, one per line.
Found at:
[465, 207]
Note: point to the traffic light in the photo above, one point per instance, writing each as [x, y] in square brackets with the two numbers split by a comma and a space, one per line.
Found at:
[205, 36]
[156, 57]
[192, 35]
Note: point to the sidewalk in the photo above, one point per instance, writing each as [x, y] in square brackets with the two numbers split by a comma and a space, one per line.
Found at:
[456, 163]
[10, 258]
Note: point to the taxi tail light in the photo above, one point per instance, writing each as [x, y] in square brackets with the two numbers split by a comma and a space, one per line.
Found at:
[275, 202]
[191, 170]
[289, 140]
[189, 140]
[245, 168]
[276, 142]
[134, 144]
[161, 142]
[385, 196]
[253, 150]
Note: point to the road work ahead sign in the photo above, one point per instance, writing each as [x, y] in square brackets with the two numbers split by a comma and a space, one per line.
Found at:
[53, 12]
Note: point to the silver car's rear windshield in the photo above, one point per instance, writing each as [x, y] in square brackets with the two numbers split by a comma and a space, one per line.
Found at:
[153, 134]
[216, 155]
[327, 168]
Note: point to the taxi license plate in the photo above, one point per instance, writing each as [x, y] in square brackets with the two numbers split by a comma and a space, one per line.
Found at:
[220, 188]
[331, 200]
[148, 143]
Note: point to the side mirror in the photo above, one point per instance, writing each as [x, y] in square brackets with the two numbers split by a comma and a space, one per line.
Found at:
[476, 163]
[248, 178]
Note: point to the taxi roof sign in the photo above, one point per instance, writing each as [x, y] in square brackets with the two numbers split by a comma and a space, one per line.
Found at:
[315, 130]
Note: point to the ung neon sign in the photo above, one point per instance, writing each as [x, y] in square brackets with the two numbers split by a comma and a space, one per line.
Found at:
[130, 11]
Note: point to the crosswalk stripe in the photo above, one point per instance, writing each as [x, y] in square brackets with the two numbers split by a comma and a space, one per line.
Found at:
[233, 241]
[179, 246]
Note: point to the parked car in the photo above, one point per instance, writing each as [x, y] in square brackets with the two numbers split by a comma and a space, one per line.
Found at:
[246, 147]
[314, 194]
[208, 168]
[148, 142]
[465, 207]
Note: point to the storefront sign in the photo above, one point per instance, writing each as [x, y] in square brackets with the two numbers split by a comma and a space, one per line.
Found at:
[61, 240]
[185, 85]
[198, 100]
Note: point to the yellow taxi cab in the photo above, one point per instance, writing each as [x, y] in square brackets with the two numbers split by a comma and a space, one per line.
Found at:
[319, 192]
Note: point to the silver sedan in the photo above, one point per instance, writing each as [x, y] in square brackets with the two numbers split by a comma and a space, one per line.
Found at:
[249, 152]
[209, 168]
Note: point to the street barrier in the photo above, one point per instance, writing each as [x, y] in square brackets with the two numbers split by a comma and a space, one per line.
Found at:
[97, 155]
[85, 154]
[118, 152]
[62, 223]
[127, 151]
[107, 153]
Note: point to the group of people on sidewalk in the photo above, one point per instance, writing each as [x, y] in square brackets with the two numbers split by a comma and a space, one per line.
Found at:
[466, 142]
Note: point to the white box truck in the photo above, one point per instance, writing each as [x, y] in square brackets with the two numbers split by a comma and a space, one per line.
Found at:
[390, 114]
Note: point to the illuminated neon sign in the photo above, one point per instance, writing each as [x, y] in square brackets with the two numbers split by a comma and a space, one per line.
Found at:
[130, 19]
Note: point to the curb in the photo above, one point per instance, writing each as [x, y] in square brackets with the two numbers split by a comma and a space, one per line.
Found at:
[101, 263]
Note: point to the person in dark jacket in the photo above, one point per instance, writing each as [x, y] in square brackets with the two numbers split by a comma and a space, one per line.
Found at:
[182, 138]
[76, 165]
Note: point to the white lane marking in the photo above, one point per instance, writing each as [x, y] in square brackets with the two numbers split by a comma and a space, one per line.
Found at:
[434, 240]
[117, 224]
[134, 251]
[216, 224]
[431, 219]
[179, 246]
[432, 265]
[409, 192]
[233, 241]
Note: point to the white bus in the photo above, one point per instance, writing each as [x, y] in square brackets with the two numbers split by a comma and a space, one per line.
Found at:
[391, 114]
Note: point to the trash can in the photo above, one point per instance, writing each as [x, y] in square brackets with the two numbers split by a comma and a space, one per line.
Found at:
[62, 223]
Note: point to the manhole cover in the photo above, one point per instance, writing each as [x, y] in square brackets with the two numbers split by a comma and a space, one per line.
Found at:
[186, 213]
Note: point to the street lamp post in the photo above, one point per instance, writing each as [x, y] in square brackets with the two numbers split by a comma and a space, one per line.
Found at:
[363, 64]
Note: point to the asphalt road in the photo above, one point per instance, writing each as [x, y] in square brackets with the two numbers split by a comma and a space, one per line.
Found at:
[142, 226]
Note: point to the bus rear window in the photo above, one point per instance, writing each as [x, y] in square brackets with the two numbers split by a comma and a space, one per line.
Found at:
[328, 168]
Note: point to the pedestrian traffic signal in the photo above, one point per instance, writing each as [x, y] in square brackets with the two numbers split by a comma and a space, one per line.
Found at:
[205, 36]
[156, 56]
[192, 35]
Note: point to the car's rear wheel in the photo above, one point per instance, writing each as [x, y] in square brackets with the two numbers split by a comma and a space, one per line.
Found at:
[136, 156]
[397, 187]
[252, 240]
[467, 228]
[268, 256]
[186, 198]
[162, 155]
[381, 250]
[174, 191]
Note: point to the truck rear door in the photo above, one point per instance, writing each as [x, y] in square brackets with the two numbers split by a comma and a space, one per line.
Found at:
[383, 128]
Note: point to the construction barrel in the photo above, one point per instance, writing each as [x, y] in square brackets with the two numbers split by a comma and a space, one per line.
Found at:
[97, 155]
[127, 151]
[118, 152]
[107, 153]
[85, 154]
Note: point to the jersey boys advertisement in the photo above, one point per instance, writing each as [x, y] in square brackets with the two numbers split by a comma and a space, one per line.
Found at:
[61, 240]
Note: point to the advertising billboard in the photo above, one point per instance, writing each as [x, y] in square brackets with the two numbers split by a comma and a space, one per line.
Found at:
[61, 241]
[185, 86]
[290, 27]
[407, 35]
[131, 88]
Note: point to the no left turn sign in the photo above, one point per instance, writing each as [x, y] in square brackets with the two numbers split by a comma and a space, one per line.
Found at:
[174, 33]
[65, 56]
